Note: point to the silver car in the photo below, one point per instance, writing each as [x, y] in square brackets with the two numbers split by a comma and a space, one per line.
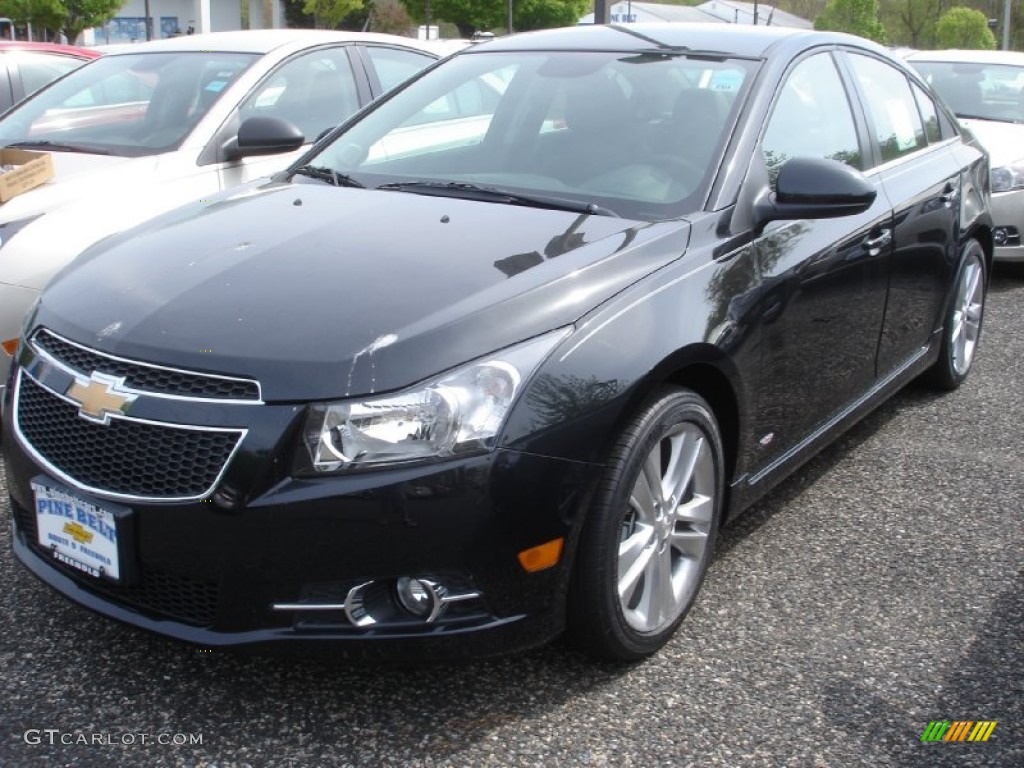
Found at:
[986, 91]
[150, 127]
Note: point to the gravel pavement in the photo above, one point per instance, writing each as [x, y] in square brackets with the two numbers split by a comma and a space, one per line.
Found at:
[880, 588]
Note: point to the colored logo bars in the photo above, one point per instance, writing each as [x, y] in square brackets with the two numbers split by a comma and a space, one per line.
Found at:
[958, 730]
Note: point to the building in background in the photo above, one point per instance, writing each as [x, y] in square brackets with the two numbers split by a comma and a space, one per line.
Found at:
[645, 13]
[182, 17]
[713, 12]
[743, 13]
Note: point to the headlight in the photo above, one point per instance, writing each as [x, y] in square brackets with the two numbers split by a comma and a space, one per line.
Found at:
[1008, 177]
[455, 414]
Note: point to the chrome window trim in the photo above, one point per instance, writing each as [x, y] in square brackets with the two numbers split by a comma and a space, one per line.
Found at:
[64, 477]
[41, 352]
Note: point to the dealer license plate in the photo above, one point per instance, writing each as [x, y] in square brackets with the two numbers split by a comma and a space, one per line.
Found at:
[77, 532]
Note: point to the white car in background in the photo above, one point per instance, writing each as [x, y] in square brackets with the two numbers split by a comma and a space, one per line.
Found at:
[985, 89]
[150, 127]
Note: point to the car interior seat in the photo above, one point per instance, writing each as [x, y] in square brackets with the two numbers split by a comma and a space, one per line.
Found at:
[598, 114]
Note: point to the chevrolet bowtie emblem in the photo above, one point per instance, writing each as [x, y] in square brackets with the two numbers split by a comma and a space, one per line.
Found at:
[99, 396]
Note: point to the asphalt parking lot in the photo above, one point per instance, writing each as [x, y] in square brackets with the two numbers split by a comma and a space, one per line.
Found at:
[878, 590]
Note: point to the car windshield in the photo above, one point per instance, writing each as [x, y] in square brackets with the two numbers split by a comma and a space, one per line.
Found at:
[636, 135]
[982, 91]
[131, 105]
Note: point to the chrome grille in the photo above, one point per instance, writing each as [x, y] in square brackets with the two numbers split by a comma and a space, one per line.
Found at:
[125, 458]
[143, 376]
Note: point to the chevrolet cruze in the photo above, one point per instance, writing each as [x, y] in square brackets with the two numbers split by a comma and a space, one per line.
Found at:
[499, 357]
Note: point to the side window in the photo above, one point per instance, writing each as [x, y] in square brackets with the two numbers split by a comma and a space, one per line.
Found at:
[890, 106]
[314, 91]
[928, 113]
[38, 69]
[395, 65]
[811, 118]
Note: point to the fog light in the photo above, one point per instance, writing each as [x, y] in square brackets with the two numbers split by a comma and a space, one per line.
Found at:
[418, 596]
[999, 235]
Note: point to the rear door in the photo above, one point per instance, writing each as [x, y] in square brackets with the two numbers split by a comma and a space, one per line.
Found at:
[921, 178]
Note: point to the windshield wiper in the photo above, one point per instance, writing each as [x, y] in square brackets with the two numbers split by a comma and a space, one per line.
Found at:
[468, 191]
[987, 117]
[329, 175]
[56, 146]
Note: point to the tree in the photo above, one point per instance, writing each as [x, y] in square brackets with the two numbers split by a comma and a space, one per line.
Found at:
[468, 15]
[328, 14]
[85, 14]
[476, 15]
[389, 16]
[857, 17]
[546, 14]
[964, 28]
[41, 14]
[911, 22]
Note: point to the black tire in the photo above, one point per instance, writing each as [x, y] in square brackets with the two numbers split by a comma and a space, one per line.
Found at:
[670, 541]
[962, 328]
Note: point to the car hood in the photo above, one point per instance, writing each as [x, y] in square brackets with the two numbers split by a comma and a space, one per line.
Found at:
[1004, 142]
[91, 201]
[322, 292]
[77, 176]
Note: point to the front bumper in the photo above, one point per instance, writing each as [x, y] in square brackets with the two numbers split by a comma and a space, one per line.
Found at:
[1008, 215]
[212, 571]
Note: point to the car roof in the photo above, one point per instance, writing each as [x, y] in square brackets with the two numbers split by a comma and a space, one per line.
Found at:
[975, 57]
[734, 39]
[261, 41]
[28, 45]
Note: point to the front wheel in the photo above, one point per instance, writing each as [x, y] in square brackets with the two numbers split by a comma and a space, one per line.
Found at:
[649, 537]
[962, 329]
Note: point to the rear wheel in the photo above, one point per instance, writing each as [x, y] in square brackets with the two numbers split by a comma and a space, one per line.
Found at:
[649, 537]
[962, 329]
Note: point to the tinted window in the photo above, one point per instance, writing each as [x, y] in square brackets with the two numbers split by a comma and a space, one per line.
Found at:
[929, 114]
[131, 104]
[639, 135]
[985, 91]
[891, 107]
[394, 65]
[314, 92]
[38, 69]
[811, 118]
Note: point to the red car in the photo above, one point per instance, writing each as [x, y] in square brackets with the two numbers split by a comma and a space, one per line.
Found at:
[25, 67]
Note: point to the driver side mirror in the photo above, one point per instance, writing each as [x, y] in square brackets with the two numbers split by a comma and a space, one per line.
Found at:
[263, 135]
[815, 188]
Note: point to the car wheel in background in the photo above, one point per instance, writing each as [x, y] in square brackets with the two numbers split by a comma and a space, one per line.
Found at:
[650, 534]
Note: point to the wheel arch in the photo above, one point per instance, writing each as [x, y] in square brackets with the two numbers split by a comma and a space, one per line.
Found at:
[708, 371]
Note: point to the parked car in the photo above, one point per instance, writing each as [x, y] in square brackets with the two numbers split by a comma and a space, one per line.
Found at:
[986, 91]
[455, 397]
[152, 126]
[25, 67]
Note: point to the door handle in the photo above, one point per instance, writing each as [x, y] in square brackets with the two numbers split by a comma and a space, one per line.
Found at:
[874, 245]
[948, 194]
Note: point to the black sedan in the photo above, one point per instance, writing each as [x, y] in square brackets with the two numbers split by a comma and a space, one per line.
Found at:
[498, 358]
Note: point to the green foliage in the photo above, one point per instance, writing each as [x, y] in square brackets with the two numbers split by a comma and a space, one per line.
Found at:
[857, 17]
[328, 14]
[964, 28]
[390, 16]
[478, 15]
[910, 22]
[48, 14]
[85, 14]
[547, 14]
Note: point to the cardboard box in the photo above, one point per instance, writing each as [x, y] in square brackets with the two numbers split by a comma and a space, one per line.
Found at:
[34, 168]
